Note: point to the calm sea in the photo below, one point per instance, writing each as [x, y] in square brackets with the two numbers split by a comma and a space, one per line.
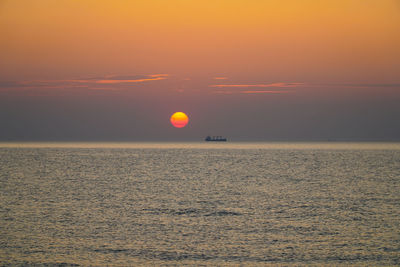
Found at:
[206, 204]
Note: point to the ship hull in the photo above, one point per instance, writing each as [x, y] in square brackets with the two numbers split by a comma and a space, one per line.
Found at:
[215, 139]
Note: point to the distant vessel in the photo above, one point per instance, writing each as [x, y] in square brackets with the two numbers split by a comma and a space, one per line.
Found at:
[215, 139]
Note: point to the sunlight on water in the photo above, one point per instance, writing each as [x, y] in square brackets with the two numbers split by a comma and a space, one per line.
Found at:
[199, 204]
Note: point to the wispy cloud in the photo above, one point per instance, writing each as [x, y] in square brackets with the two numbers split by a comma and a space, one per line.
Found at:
[369, 85]
[109, 79]
[111, 83]
[220, 78]
[266, 92]
[228, 89]
[261, 85]
[158, 75]
[313, 85]
[230, 92]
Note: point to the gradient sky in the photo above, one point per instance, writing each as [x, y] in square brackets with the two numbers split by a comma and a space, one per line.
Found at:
[246, 69]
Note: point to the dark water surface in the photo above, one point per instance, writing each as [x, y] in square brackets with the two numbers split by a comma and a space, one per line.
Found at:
[200, 204]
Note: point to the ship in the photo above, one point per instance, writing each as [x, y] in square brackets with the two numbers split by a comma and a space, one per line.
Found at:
[215, 139]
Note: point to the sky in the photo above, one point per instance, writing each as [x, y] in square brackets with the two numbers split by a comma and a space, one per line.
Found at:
[249, 70]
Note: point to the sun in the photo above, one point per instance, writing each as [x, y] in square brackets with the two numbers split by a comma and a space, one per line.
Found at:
[179, 119]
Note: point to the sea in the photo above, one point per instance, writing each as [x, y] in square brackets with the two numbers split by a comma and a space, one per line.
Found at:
[200, 204]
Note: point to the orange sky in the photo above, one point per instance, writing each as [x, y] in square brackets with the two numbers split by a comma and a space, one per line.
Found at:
[290, 40]
[193, 52]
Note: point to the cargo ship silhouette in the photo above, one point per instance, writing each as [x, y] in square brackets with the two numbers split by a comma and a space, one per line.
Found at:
[215, 139]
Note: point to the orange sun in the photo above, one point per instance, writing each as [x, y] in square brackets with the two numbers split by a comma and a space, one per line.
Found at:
[179, 119]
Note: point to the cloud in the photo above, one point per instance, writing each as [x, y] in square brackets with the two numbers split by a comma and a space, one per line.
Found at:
[278, 85]
[158, 75]
[262, 85]
[230, 92]
[109, 79]
[89, 83]
[265, 92]
[292, 85]
[370, 85]
[114, 81]
[220, 78]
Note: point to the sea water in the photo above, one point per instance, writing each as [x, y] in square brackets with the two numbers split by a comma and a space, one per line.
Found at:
[239, 204]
